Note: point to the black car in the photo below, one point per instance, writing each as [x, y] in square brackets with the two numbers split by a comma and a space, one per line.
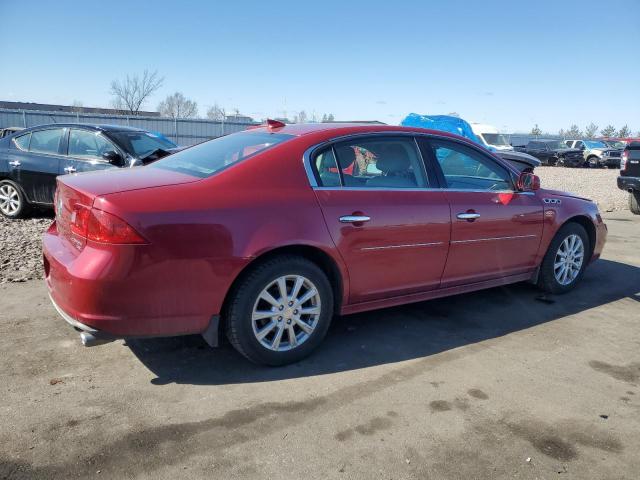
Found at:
[629, 179]
[554, 152]
[31, 159]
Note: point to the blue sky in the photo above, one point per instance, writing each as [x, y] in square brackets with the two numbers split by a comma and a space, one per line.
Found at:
[508, 63]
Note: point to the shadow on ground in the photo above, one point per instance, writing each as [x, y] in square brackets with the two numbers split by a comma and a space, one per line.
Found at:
[394, 334]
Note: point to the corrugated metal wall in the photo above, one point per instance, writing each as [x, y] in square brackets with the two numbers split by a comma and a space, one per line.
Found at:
[182, 132]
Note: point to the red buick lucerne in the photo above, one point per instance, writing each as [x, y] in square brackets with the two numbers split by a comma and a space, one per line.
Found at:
[265, 234]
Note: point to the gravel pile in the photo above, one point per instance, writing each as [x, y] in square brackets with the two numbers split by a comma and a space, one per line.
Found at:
[597, 184]
[20, 240]
[21, 248]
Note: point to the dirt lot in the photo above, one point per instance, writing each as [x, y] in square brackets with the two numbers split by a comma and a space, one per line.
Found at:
[495, 384]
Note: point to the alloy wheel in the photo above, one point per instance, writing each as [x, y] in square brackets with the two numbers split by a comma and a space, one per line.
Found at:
[9, 199]
[568, 260]
[286, 313]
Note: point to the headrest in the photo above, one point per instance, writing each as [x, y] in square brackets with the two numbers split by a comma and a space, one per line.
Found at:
[393, 158]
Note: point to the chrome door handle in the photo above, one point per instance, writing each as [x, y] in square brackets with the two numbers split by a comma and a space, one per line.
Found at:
[15, 163]
[69, 169]
[468, 216]
[354, 219]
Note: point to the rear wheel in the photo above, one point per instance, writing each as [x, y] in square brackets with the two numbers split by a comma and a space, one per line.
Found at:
[566, 259]
[634, 202]
[12, 201]
[280, 312]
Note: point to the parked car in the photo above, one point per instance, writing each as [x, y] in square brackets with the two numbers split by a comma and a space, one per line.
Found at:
[264, 235]
[597, 153]
[629, 179]
[616, 144]
[31, 159]
[5, 132]
[554, 152]
[491, 137]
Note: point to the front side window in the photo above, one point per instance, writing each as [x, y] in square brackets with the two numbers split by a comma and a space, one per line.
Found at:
[371, 162]
[88, 145]
[467, 169]
[207, 158]
[22, 142]
[46, 141]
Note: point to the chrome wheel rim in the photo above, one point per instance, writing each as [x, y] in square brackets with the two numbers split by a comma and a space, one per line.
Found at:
[286, 313]
[9, 199]
[569, 259]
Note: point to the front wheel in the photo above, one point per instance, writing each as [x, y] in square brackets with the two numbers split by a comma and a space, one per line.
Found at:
[12, 201]
[280, 312]
[566, 259]
[634, 202]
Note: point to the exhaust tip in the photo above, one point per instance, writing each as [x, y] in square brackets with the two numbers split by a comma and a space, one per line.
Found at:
[89, 340]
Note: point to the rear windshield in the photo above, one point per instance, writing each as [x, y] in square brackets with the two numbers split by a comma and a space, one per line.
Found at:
[210, 157]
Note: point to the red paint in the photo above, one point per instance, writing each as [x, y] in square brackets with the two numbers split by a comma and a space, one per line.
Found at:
[201, 233]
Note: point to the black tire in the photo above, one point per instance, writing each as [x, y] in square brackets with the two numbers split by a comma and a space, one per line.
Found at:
[634, 202]
[546, 279]
[238, 317]
[23, 207]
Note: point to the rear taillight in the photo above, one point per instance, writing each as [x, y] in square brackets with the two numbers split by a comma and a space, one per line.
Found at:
[623, 160]
[99, 226]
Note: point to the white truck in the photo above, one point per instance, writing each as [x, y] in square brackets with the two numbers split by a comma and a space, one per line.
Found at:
[491, 137]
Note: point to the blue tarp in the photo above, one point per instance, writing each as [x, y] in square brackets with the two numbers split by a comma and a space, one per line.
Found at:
[444, 123]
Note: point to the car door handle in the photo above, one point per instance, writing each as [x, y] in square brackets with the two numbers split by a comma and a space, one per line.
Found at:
[69, 169]
[468, 216]
[15, 163]
[354, 218]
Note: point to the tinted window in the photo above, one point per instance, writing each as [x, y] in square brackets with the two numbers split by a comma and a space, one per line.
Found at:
[88, 145]
[141, 144]
[207, 158]
[22, 142]
[467, 169]
[382, 162]
[46, 141]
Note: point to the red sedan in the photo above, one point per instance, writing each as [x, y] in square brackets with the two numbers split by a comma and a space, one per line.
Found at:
[264, 235]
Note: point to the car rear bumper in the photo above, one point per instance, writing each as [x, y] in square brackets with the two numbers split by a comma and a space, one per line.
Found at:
[628, 183]
[123, 291]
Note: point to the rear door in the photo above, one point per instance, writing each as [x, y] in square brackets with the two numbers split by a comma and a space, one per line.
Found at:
[495, 230]
[85, 150]
[34, 163]
[390, 228]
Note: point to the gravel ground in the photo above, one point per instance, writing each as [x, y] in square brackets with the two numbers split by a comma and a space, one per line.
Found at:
[20, 253]
[597, 184]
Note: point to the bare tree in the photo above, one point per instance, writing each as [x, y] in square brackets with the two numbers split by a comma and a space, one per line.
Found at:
[130, 94]
[76, 106]
[591, 130]
[536, 130]
[178, 106]
[574, 132]
[562, 134]
[216, 112]
[624, 132]
[301, 117]
[608, 131]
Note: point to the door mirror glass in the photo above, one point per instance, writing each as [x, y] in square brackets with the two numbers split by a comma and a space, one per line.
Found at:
[112, 157]
[528, 182]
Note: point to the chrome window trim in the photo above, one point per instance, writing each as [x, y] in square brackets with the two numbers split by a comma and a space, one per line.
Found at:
[309, 152]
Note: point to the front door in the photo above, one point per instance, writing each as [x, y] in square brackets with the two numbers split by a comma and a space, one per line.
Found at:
[85, 152]
[495, 231]
[391, 230]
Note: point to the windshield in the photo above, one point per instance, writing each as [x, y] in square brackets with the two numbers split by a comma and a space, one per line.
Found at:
[556, 144]
[140, 144]
[592, 144]
[207, 158]
[495, 139]
[615, 144]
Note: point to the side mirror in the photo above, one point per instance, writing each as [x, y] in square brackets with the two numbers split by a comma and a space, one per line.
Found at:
[528, 182]
[112, 157]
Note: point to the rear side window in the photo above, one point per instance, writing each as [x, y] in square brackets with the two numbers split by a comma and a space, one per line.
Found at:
[207, 158]
[46, 141]
[382, 162]
[22, 142]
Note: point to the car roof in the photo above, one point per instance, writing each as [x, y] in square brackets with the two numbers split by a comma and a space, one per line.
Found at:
[300, 129]
[91, 126]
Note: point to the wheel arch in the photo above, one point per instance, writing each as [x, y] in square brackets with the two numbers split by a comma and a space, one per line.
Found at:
[588, 225]
[314, 254]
